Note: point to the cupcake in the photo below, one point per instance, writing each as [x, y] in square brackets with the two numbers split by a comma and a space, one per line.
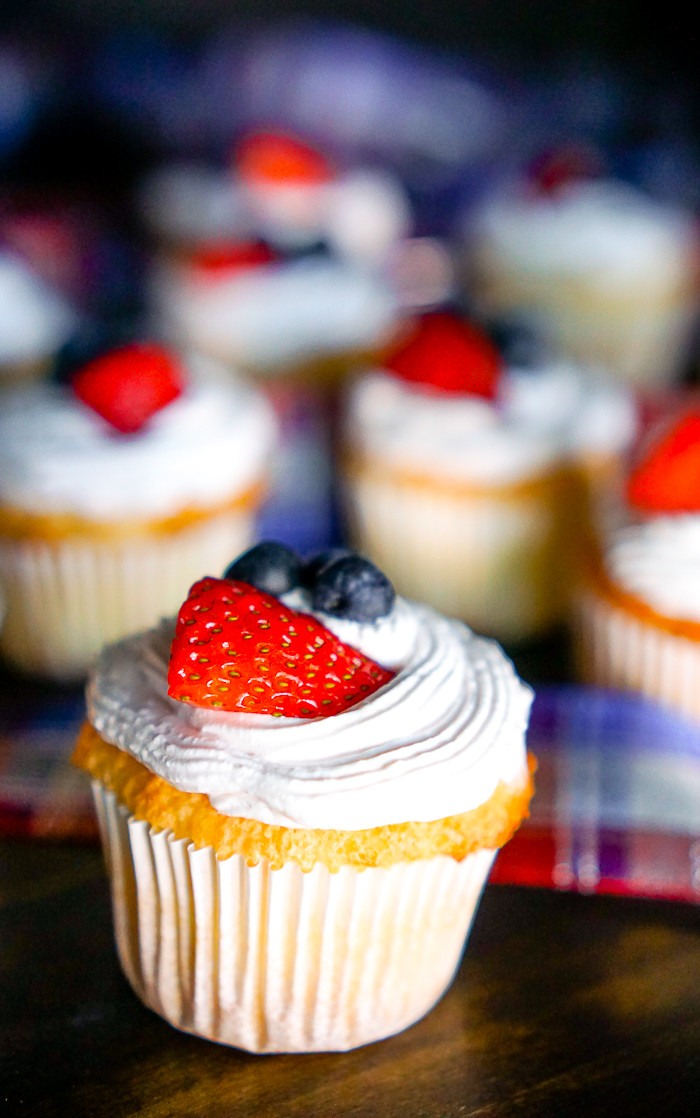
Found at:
[35, 321]
[610, 273]
[299, 829]
[472, 485]
[637, 617]
[308, 278]
[114, 491]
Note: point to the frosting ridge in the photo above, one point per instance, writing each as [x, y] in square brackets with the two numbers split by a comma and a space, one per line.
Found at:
[435, 741]
[658, 561]
[57, 455]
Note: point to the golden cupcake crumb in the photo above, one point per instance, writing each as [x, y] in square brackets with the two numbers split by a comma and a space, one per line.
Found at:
[189, 815]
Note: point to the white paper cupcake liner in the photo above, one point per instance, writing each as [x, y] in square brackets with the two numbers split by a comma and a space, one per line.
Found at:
[281, 960]
[616, 648]
[67, 597]
[500, 562]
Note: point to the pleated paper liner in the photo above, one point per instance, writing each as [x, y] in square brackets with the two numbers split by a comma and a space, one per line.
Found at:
[66, 597]
[616, 647]
[281, 960]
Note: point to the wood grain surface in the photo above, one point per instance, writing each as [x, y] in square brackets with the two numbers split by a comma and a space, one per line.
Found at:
[563, 1005]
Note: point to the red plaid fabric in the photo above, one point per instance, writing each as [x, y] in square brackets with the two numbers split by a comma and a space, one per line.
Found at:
[616, 807]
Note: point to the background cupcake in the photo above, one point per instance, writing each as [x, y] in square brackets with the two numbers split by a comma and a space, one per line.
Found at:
[114, 493]
[470, 484]
[609, 272]
[306, 834]
[284, 265]
[637, 620]
[35, 321]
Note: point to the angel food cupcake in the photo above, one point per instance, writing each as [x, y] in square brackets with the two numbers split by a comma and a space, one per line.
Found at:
[638, 615]
[472, 486]
[612, 274]
[114, 492]
[317, 284]
[301, 795]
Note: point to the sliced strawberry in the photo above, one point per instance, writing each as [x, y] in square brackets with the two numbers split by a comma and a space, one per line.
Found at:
[238, 648]
[556, 169]
[667, 478]
[129, 385]
[445, 353]
[277, 160]
[240, 256]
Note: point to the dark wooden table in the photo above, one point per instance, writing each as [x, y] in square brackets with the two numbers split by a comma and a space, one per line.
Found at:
[564, 1005]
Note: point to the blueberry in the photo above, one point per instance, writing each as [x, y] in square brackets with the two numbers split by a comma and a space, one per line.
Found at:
[354, 588]
[312, 567]
[268, 566]
[519, 342]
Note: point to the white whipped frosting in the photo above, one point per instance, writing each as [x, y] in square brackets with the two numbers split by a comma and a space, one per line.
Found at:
[435, 741]
[34, 320]
[277, 313]
[542, 417]
[58, 456]
[659, 562]
[460, 438]
[191, 202]
[604, 227]
[591, 414]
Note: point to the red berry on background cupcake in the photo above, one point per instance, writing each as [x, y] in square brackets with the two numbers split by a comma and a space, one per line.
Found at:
[666, 479]
[277, 159]
[127, 386]
[445, 353]
[240, 256]
[558, 168]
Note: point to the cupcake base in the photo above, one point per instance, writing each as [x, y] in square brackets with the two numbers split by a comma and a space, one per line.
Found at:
[621, 643]
[281, 960]
[499, 558]
[641, 333]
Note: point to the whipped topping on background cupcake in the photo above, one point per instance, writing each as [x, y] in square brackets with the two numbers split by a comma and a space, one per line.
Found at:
[184, 205]
[251, 791]
[35, 321]
[59, 456]
[273, 316]
[470, 484]
[638, 613]
[658, 562]
[114, 491]
[611, 273]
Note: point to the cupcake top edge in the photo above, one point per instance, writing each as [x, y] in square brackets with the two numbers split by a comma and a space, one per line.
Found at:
[59, 456]
[443, 723]
[597, 225]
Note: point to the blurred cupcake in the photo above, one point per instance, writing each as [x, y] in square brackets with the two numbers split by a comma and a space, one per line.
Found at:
[637, 618]
[35, 321]
[293, 265]
[114, 492]
[299, 831]
[611, 273]
[471, 485]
